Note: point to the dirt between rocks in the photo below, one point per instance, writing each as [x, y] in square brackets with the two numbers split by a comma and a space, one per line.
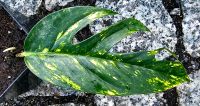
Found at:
[10, 36]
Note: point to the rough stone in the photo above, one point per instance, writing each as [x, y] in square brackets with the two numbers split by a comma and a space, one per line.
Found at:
[191, 26]
[47, 89]
[25, 7]
[133, 100]
[30, 7]
[189, 93]
[51, 4]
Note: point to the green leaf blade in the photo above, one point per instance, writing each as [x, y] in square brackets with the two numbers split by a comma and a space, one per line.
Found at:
[88, 66]
[103, 41]
[61, 26]
[104, 76]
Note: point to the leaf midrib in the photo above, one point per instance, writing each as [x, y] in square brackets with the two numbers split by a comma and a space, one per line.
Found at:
[26, 54]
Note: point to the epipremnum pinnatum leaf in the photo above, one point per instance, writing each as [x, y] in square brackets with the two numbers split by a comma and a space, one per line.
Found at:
[88, 66]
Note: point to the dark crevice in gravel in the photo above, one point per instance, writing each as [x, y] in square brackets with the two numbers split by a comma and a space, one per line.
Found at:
[171, 95]
[190, 63]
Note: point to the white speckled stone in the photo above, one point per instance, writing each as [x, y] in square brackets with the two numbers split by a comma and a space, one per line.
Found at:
[47, 89]
[189, 93]
[191, 26]
[25, 7]
[30, 7]
[51, 4]
[133, 100]
[152, 14]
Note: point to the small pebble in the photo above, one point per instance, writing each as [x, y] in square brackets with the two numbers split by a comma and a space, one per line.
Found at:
[175, 11]
[9, 77]
[10, 49]
[9, 32]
